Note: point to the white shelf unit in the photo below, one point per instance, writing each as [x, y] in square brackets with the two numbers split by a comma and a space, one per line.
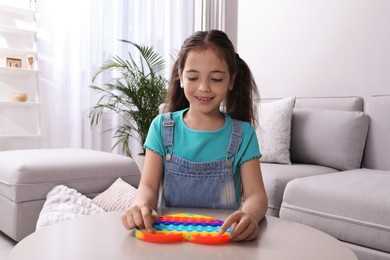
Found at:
[20, 122]
[16, 10]
[17, 51]
[6, 71]
[13, 30]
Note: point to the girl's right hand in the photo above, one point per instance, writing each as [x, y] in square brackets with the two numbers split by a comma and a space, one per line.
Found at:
[141, 216]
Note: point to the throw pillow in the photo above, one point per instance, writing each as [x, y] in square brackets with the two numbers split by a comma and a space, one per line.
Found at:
[63, 203]
[330, 138]
[274, 133]
[118, 196]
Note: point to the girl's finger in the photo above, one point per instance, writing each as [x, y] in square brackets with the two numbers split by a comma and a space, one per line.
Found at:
[233, 218]
[138, 219]
[124, 221]
[238, 229]
[127, 221]
[254, 235]
[243, 232]
[147, 219]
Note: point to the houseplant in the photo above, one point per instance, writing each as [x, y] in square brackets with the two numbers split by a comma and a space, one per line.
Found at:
[134, 95]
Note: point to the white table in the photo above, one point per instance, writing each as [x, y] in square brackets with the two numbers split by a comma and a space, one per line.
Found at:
[102, 236]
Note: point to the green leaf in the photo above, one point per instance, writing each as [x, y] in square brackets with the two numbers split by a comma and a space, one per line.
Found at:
[135, 96]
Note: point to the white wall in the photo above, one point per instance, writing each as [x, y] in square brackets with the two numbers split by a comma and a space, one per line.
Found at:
[316, 47]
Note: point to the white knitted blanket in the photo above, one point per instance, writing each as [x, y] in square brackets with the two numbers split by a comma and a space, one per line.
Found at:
[63, 203]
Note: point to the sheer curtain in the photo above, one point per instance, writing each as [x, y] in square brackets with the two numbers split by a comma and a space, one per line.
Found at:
[209, 14]
[76, 37]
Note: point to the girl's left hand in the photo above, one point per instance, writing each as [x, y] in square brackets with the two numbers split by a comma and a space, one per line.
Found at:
[244, 226]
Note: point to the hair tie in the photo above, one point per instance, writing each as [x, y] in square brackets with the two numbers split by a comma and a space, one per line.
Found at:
[237, 56]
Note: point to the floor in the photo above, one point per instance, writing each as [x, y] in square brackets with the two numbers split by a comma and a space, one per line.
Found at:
[6, 244]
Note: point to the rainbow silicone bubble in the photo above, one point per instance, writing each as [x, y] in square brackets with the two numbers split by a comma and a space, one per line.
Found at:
[185, 227]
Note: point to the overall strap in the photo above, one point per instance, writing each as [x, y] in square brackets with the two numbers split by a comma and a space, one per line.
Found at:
[168, 126]
[235, 140]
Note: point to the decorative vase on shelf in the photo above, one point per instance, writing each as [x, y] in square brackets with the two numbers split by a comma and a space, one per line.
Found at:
[19, 97]
[30, 60]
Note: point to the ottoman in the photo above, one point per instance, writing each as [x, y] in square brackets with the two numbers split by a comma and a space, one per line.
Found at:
[26, 176]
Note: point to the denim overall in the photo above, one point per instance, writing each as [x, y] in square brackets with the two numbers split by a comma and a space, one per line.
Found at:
[197, 184]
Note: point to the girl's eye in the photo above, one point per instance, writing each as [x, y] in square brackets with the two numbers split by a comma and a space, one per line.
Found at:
[216, 80]
[192, 79]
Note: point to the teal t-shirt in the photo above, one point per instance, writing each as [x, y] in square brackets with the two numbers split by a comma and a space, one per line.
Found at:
[204, 146]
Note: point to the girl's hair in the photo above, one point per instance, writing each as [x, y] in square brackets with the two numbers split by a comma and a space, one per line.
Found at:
[240, 102]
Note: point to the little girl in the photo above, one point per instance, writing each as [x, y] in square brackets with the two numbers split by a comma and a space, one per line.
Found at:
[204, 157]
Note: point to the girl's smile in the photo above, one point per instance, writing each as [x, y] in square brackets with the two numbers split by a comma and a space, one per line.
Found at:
[203, 100]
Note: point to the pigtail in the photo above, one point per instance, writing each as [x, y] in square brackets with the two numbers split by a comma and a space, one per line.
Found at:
[241, 100]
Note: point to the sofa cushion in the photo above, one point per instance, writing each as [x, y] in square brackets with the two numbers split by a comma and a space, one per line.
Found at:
[274, 133]
[276, 177]
[352, 206]
[332, 103]
[377, 152]
[27, 175]
[328, 137]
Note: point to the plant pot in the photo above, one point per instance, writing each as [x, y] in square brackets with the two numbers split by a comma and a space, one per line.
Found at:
[139, 160]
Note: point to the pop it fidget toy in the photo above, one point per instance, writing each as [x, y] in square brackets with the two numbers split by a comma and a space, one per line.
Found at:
[185, 227]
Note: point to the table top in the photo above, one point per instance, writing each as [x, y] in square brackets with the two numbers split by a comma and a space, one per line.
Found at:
[102, 236]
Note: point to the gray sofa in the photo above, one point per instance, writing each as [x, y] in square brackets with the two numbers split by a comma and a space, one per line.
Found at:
[339, 178]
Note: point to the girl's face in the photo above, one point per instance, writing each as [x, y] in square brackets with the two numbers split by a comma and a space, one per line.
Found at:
[206, 80]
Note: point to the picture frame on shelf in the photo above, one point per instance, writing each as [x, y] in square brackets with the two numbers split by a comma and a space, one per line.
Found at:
[13, 63]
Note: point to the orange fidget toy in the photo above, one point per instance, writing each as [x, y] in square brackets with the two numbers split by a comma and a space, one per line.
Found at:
[185, 227]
